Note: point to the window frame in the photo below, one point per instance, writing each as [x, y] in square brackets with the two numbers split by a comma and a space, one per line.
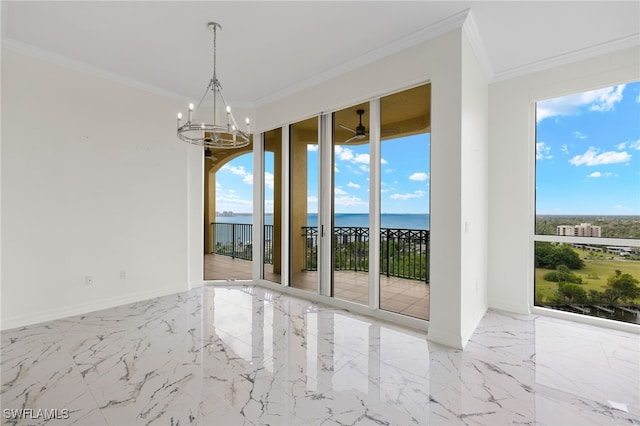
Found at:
[538, 95]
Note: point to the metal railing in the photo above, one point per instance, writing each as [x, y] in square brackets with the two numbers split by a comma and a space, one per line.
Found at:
[236, 240]
[404, 253]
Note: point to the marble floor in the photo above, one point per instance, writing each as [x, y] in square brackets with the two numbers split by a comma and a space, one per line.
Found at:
[243, 355]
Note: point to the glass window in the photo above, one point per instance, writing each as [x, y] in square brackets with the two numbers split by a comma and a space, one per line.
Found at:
[350, 242]
[587, 201]
[304, 205]
[271, 243]
[405, 183]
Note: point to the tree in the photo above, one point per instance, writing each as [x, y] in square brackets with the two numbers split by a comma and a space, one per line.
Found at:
[549, 255]
[625, 284]
[571, 293]
[562, 274]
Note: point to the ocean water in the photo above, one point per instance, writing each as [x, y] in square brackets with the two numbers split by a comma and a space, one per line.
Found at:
[387, 220]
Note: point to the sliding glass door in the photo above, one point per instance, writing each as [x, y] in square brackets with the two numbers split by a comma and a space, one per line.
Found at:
[405, 188]
[272, 206]
[350, 207]
[303, 202]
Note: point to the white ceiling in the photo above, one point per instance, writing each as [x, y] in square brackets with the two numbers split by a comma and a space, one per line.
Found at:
[269, 48]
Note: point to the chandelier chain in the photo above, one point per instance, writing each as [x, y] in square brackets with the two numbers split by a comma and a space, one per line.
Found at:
[215, 55]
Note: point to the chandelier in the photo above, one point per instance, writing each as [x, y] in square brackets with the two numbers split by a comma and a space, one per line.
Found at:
[221, 131]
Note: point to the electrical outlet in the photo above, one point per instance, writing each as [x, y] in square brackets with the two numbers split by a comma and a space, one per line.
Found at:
[88, 280]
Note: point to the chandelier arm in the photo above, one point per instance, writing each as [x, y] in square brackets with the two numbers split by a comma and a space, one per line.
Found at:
[202, 98]
[224, 101]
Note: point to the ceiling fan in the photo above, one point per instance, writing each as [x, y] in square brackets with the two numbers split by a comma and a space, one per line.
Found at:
[360, 131]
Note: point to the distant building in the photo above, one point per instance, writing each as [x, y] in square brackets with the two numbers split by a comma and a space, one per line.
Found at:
[582, 230]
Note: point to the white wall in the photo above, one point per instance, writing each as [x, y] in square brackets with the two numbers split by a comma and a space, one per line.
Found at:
[475, 191]
[511, 162]
[458, 193]
[94, 182]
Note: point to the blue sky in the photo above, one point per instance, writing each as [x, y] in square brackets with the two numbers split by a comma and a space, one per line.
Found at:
[588, 152]
[405, 178]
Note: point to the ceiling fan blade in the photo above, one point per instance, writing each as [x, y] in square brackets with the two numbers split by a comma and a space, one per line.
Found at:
[346, 128]
[352, 138]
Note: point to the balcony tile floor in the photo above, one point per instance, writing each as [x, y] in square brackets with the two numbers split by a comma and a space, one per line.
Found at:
[408, 297]
[244, 355]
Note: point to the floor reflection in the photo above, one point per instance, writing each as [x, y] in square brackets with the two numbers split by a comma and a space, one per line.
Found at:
[246, 355]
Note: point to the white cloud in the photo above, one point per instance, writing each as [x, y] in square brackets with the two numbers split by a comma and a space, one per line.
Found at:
[596, 100]
[349, 201]
[564, 149]
[344, 154]
[236, 170]
[621, 208]
[607, 98]
[268, 180]
[592, 158]
[313, 148]
[419, 176]
[364, 168]
[632, 145]
[579, 135]
[542, 151]
[361, 158]
[407, 196]
[312, 199]
[598, 174]
[239, 171]
[353, 185]
[339, 191]
[233, 202]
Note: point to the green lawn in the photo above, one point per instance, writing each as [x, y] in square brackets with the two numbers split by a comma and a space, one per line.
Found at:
[594, 274]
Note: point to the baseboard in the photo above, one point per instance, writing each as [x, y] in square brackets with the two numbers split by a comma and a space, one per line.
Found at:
[509, 306]
[445, 338]
[82, 308]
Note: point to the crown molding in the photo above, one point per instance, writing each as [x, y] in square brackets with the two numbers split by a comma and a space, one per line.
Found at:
[54, 58]
[477, 45]
[441, 27]
[570, 57]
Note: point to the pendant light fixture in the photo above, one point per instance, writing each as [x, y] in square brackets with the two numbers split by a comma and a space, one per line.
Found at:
[217, 130]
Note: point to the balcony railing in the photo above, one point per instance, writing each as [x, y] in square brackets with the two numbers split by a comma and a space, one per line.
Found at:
[236, 240]
[404, 253]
